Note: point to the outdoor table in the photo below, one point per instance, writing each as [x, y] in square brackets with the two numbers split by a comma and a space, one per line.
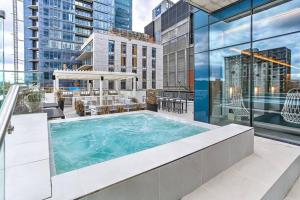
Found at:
[50, 105]
[53, 113]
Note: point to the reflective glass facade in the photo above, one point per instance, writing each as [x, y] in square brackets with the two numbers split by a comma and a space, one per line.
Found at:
[247, 65]
[56, 29]
[123, 14]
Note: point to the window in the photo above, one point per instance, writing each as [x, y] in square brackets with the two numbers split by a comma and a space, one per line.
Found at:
[144, 79]
[144, 85]
[111, 59]
[123, 48]
[153, 53]
[68, 16]
[228, 73]
[144, 75]
[123, 61]
[68, 36]
[225, 33]
[111, 52]
[153, 75]
[111, 85]
[134, 58]
[153, 64]
[123, 84]
[134, 62]
[123, 54]
[111, 46]
[144, 52]
[153, 85]
[134, 50]
[144, 62]
[153, 58]
[68, 26]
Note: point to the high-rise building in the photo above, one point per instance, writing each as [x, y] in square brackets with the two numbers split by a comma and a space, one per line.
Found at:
[161, 8]
[55, 30]
[172, 29]
[123, 14]
[120, 51]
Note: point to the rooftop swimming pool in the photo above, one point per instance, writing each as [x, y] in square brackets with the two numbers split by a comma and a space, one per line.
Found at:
[85, 142]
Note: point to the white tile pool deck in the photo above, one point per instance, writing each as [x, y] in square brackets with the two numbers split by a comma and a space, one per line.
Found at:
[27, 159]
[33, 160]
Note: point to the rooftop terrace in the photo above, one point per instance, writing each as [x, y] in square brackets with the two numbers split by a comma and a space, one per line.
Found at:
[228, 159]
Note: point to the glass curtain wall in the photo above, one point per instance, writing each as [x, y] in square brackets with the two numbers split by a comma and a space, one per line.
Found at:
[247, 65]
[123, 14]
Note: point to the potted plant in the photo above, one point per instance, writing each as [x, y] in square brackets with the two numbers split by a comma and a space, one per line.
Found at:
[60, 100]
[79, 107]
[104, 110]
[120, 109]
[33, 100]
[151, 100]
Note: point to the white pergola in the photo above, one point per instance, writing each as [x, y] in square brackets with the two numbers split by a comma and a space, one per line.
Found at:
[92, 75]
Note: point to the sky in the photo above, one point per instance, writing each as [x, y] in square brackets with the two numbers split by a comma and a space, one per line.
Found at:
[6, 5]
[141, 14]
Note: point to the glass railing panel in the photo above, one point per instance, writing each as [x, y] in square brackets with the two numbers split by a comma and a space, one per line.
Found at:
[2, 171]
[25, 79]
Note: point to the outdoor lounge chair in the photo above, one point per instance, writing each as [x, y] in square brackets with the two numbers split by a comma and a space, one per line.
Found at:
[291, 109]
[238, 107]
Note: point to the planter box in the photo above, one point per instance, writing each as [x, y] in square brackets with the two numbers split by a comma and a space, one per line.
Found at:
[152, 107]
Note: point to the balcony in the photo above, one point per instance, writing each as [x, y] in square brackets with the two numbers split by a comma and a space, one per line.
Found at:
[35, 38]
[34, 60]
[33, 17]
[82, 34]
[84, 17]
[34, 28]
[33, 7]
[89, 1]
[84, 26]
[85, 55]
[34, 48]
[81, 7]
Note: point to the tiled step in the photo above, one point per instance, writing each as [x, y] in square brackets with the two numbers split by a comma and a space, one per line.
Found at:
[267, 174]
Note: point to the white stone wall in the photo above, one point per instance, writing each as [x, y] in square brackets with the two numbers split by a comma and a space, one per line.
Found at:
[100, 58]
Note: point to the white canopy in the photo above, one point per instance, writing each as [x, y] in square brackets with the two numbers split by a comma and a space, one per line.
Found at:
[92, 75]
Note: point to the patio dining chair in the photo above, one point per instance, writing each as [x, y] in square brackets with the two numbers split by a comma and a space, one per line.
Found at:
[291, 109]
[178, 106]
[164, 104]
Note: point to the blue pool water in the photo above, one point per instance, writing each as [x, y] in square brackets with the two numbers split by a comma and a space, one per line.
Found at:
[82, 143]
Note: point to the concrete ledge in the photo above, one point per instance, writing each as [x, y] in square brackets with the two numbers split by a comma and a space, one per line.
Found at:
[27, 159]
[166, 172]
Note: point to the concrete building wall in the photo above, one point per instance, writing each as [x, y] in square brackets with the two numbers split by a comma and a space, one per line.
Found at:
[176, 45]
[101, 51]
